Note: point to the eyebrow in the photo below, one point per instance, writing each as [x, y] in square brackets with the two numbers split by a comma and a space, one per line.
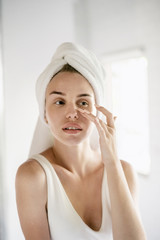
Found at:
[63, 94]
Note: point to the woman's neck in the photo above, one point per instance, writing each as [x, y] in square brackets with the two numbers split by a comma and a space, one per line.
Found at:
[79, 159]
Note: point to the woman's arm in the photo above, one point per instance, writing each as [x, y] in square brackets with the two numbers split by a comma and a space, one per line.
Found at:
[126, 222]
[31, 196]
[122, 184]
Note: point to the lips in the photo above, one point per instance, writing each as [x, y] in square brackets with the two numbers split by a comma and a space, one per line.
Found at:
[72, 128]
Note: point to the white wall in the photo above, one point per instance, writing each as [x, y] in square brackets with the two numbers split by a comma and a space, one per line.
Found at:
[120, 25]
[31, 31]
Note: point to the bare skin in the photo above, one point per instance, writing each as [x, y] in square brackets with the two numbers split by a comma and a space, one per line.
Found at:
[79, 168]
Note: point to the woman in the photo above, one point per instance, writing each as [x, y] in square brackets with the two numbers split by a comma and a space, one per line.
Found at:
[69, 189]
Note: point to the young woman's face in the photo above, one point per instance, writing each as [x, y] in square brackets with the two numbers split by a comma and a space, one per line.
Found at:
[64, 95]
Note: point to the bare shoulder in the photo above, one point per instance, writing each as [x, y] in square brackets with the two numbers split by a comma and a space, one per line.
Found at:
[30, 176]
[30, 169]
[31, 198]
[132, 179]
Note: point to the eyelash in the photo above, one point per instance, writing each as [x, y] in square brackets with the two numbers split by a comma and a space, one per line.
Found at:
[59, 101]
[62, 103]
[86, 103]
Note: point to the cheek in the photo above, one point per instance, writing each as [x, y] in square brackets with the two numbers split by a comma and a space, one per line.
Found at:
[87, 123]
[50, 114]
[93, 110]
[52, 118]
[54, 124]
[92, 107]
[89, 129]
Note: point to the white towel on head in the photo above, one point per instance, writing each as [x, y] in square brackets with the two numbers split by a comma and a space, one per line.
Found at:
[84, 62]
[79, 58]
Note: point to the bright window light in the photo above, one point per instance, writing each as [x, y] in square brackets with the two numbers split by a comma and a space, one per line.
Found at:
[127, 77]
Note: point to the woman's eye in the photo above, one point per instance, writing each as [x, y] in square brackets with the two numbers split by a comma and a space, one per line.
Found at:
[60, 102]
[84, 104]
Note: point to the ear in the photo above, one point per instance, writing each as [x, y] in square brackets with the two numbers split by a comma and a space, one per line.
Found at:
[45, 118]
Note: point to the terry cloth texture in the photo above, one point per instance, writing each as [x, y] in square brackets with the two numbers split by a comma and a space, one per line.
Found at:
[84, 62]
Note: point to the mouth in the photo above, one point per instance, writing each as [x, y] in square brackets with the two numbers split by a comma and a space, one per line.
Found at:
[72, 129]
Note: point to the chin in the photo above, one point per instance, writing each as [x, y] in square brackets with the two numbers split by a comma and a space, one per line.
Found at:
[73, 139]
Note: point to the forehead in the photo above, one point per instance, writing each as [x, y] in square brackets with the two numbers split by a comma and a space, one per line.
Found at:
[69, 82]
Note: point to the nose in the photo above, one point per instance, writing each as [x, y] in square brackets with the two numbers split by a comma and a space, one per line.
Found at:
[72, 113]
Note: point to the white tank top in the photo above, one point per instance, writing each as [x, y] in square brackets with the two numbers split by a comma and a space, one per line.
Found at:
[64, 221]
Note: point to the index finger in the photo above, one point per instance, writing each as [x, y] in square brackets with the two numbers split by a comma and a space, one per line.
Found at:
[108, 114]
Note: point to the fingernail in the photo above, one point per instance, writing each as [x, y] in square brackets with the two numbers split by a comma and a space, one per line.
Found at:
[79, 109]
[96, 105]
[97, 120]
[83, 110]
[86, 111]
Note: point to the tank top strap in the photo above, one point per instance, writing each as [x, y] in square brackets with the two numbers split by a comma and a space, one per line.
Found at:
[53, 182]
[46, 165]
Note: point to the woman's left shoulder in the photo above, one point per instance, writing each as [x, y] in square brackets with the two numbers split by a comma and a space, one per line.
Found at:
[131, 178]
